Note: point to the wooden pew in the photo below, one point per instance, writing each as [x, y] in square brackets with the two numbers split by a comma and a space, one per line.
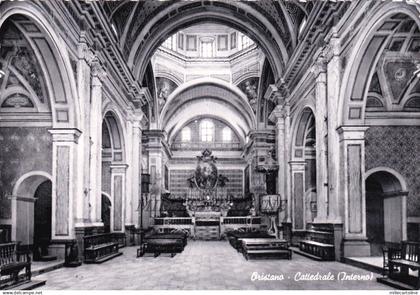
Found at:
[159, 246]
[11, 263]
[235, 237]
[176, 236]
[400, 261]
[266, 248]
[319, 242]
[100, 248]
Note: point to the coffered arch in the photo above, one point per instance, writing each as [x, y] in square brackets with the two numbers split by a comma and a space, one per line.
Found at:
[239, 16]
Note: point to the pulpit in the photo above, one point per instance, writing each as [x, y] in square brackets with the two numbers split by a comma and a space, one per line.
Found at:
[270, 205]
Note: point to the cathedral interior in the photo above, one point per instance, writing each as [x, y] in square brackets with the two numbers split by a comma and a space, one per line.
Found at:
[189, 137]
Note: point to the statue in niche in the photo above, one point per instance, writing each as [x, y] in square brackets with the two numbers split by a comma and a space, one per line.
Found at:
[165, 87]
[163, 94]
[251, 92]
[250, 88]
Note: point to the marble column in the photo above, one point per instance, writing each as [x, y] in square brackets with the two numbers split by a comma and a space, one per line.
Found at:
[95, 192]
[118, 192]
[297, 170]
[352, 188]
[64, 181]
[319, 71]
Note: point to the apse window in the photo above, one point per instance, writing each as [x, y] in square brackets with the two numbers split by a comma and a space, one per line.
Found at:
[186, 134]
[227, 134]
[207, 131]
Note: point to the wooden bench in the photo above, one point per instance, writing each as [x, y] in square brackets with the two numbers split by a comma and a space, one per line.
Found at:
[236, 236]
[266, 248]
[319, 242]
[401, 260]
[159, 246]
[100, 248]
[11, 263]
[176, 236]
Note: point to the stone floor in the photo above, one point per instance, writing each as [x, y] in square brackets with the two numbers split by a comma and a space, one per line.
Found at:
[202, 266]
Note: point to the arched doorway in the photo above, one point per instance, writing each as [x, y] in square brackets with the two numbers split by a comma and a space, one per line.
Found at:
[385, 210]
[113, 171]
[42, 222]
[106, 213]
[303, 168]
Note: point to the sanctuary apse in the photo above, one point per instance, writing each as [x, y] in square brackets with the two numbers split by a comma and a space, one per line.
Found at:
[287, 119]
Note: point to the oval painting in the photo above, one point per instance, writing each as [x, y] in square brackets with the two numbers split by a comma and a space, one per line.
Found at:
[206, 175]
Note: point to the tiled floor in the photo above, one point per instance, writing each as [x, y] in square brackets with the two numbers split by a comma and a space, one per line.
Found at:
[202, 265]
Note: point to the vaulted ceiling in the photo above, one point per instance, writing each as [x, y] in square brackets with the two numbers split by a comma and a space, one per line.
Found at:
[142, 26]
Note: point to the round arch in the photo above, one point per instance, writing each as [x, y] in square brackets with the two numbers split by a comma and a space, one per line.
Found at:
[298, 128]
[386, 207]
[395, 181]
[25, 188]
[206, 108]
[219, 118]
[55, 62]
[116, 132]
[195, 85]
[352, 98]
[236, 16]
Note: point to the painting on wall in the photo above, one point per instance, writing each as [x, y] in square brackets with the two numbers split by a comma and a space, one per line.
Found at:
[164, 87]
[250, 88]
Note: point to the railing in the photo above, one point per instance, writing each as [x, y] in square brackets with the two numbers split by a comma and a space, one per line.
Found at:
[200, 145]
[173, 221]
[241, 220]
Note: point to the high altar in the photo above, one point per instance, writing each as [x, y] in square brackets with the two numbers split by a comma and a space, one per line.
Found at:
[207, 203]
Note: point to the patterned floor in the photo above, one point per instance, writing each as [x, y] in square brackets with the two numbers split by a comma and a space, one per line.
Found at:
[203, 266]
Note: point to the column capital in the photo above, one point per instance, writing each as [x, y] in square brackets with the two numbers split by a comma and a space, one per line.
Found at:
[332, 48]
[278, 114]
[65, 134]
[319, 67]
[352, 132]
[98, 72]
[84, 51]
[138, 119]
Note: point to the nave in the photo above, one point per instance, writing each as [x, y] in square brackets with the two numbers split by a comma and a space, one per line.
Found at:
[202, 266]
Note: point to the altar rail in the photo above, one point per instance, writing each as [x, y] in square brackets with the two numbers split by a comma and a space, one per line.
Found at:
[188, 224]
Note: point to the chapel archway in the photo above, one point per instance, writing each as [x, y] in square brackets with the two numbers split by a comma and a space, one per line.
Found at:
[303, 169]
[385, 209]
[113, 171]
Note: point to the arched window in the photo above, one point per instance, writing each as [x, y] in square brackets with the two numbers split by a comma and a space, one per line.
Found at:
[186, 134]
[207, 130]
[227, 134]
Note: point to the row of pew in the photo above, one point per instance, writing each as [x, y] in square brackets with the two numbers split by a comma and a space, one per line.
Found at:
[259, 244]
